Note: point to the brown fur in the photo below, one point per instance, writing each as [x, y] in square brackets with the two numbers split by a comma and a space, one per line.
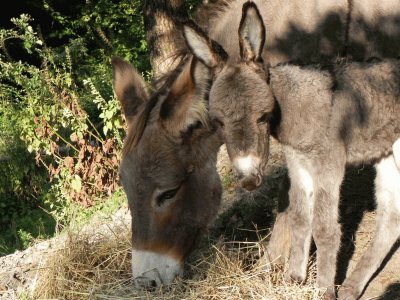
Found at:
[170, 150]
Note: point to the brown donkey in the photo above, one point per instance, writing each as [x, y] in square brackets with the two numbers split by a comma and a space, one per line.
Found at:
[168, 168]
[325, 119]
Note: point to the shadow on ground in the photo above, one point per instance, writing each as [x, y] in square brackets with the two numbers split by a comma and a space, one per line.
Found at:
[392, 292]
[357, 197]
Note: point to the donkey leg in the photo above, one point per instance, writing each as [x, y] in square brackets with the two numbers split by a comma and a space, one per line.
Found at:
[387, 186]
[299, 214]
[396, 152]
[326, 228]
[280, 240]
[278, 246]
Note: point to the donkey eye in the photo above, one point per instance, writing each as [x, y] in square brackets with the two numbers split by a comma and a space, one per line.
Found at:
[167, 195]
[219, 122]
[265, 118]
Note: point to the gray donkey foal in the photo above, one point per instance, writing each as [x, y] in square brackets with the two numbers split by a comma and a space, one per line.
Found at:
[325, 119]
[321, 131]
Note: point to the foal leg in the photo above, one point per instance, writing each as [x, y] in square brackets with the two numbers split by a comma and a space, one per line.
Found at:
[300, 213]
[279, 242]
[325, 225]
[387, 186]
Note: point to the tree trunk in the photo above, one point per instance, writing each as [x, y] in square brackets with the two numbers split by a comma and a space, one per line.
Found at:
[163, 32]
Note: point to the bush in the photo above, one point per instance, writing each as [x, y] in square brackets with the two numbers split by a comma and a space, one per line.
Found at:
[61, 127]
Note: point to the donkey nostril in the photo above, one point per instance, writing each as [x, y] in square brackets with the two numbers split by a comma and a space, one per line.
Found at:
[145, 283]
[258, 180]
[153, 283]
[251, 183]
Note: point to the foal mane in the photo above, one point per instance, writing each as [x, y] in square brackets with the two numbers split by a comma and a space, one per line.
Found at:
[136, 129]
[208, 13]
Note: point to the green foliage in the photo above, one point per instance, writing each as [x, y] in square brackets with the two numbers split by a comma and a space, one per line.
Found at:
[60, 125]
[21, 180]
[107, 27]
[77, 217]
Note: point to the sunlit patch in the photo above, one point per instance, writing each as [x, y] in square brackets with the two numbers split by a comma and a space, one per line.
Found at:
[396, 153]
[307, 182]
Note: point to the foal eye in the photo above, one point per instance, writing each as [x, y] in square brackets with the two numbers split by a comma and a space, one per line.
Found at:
[265, 118]
[167, 195]
[219, 122]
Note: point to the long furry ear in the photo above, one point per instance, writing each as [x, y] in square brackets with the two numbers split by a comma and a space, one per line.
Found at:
[186, 106]
[209, 52]
[129, 87]
[251, 33]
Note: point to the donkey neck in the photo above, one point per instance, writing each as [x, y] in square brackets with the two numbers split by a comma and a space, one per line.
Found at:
[304, 97]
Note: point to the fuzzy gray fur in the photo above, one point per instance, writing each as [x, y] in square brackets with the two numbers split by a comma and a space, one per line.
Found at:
[322, 131]
[324, 118]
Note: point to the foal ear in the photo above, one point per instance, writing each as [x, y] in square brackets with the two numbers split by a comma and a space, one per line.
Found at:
[209, 52]
[186, 106]
[251, 33]
[129, 87]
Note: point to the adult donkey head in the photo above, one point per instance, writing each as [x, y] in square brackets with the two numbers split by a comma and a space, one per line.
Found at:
[168, 167]
[241, 101]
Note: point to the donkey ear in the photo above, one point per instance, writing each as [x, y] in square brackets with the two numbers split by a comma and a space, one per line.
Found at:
[129, 87]
[209, 52]
[251, 33]
[186, 106]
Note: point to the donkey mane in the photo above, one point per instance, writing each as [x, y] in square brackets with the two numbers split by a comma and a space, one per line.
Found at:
[135, 131]
[207, 14]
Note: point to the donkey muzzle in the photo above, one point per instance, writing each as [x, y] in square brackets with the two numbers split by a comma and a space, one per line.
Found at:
[247, 170]
[151, 270]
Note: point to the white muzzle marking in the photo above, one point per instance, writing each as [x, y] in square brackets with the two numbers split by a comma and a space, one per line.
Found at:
[149, 266]
[247, 165]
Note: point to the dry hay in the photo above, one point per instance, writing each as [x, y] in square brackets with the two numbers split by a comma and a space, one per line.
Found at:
[97, 266]
[90, 259]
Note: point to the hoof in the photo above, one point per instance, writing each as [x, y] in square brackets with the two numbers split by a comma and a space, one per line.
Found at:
[329, 294]
[295, 277]
[347, 293]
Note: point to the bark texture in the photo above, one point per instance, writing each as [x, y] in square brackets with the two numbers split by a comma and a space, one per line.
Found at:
[162, 25]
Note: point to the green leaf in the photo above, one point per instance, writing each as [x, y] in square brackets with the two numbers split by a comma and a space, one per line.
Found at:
[109, 114]
[76, 183]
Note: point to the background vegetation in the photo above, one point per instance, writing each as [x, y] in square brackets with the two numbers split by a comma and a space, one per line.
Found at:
[60, 126]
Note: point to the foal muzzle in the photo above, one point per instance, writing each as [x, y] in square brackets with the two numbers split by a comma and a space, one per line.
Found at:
[248, 172]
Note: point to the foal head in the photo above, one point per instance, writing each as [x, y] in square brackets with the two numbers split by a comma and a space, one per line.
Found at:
[241, 101]
[168, 167]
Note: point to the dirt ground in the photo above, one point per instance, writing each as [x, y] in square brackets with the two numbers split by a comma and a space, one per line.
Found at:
[247, 216]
